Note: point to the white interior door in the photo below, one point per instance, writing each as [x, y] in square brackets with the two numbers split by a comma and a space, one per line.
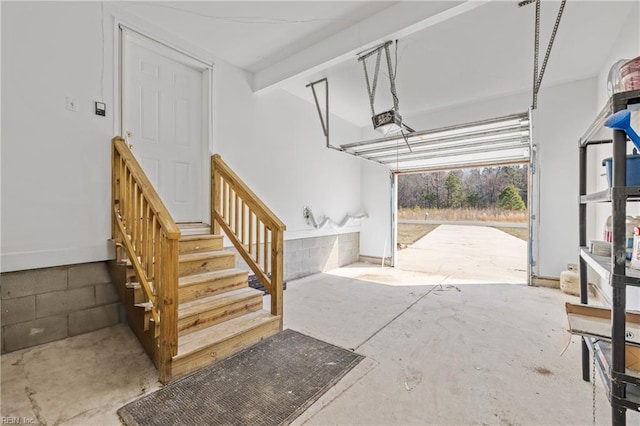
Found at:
[163, 114]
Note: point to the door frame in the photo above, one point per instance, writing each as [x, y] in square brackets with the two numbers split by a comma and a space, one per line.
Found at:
[533, 205]
[175, 52]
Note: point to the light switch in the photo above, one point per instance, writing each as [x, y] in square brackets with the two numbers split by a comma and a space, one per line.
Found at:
[101, 109]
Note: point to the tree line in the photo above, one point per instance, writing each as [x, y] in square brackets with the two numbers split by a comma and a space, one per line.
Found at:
[503, 187]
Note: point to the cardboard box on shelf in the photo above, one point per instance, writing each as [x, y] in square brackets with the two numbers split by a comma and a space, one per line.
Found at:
[595, 321]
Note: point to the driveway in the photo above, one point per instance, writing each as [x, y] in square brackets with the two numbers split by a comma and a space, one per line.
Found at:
[458, 222]
[467, 255]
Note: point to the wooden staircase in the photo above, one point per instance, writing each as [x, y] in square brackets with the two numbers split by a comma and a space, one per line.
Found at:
[218, 313]
[185, 300]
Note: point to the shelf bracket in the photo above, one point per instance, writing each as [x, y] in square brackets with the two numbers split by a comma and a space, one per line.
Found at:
[618, 281]
[625, 378]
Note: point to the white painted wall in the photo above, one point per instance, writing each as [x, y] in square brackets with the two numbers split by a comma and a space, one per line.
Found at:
[375, 235]
[626, 46]
[563, 114]
[56, 163]
[285, 150]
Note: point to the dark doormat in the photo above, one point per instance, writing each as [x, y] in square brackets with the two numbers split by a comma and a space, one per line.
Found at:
[255, 283]
[270, 383]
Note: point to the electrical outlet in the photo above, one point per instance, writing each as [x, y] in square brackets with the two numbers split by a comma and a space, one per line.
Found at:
[72, 104]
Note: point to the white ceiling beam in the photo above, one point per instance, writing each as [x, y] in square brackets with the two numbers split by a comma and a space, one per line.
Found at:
[395, 22]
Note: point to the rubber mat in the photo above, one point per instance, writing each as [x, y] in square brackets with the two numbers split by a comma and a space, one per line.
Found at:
[255, 283]
[270, 383]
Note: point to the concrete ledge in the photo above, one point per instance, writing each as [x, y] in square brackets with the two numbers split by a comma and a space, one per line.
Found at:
[307, 256]
[549, 282]
[106, 293]
[374, 260]
[26, 283]
[44, 305]
[88, 274]
[17, 310]
[93, 319]
[62, 302]
[32, 333]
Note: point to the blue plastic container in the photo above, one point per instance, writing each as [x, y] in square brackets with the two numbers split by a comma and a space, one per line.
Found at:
[633, 170]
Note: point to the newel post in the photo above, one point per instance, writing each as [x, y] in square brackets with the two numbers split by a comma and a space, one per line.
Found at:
[115, 188]
[167, 301]
[215, 194]
[277, 272]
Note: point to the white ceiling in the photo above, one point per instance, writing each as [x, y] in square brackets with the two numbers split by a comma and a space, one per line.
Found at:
[254, 34]
[449, 52]
[484, 53]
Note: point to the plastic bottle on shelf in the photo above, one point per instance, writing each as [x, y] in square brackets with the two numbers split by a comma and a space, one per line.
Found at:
[614, 79]
[630, 225]
[607, 235]
[635, 257]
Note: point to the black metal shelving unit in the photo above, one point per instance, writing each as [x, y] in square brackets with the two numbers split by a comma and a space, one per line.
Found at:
[623, 387]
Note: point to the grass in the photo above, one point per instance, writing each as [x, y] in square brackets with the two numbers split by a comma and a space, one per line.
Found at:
[464, 214]
[409, 233]
[522, 233]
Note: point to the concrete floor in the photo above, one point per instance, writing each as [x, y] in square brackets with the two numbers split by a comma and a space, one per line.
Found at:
[81, 380]
[436, 354]
[445, 354]
[437, 351]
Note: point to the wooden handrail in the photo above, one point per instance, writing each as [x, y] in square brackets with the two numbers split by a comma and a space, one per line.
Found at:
[242, 188]
[143, 227]
[254, 230]
[164, 217]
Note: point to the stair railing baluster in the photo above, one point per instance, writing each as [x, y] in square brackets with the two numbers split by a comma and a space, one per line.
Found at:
[264, 234]
[149, 236]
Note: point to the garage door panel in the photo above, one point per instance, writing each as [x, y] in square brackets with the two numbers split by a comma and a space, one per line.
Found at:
[498, 141]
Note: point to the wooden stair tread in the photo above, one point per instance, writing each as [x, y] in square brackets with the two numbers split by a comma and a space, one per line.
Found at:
[201, 339]
[203, 277]
[200, 243]
[194, 307]
[205, 261]
[192, 257]
[194, 228]
[190, 225]
[200, 237]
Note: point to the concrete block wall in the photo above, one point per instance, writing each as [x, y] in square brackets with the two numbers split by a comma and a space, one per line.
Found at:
[307, 256]
[43, 305]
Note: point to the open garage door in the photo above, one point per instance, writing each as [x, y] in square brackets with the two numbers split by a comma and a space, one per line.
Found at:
[494, 142]
[498, 141]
